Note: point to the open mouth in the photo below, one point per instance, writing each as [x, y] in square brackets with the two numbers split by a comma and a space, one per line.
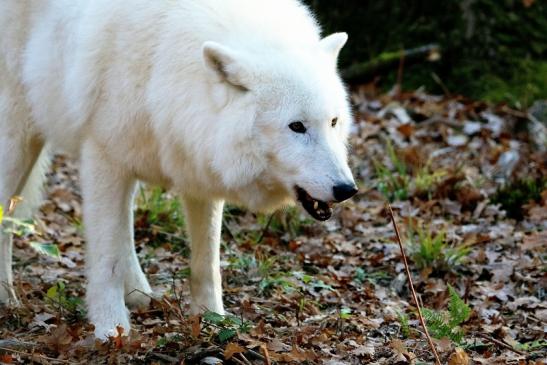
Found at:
[318, 209]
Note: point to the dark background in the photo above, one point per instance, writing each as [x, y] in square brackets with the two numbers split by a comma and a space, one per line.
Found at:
[491, 49]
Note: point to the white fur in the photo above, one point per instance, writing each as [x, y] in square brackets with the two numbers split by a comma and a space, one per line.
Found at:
[191, 95]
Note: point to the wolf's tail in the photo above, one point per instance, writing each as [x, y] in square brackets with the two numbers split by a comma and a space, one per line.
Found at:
[33, 191]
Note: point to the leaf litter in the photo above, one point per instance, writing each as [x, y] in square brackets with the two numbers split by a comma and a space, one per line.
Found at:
[325, 293]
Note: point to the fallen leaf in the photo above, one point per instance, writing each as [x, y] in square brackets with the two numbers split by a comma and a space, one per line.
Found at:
[232, 349]
[458, 357]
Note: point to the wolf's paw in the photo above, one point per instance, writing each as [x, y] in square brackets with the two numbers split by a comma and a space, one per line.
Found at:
[138, 298]
[204, 306]
[137, 289]
[111, 328]
[110, 319]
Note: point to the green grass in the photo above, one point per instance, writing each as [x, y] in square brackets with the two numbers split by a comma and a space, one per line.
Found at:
[160, 218]
[161, 208]
[396, 181]
[228, 326]
[431, 250]
[289, 220]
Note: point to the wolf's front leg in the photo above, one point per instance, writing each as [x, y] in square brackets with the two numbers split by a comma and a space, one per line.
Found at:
[107, 191]
[204, 221]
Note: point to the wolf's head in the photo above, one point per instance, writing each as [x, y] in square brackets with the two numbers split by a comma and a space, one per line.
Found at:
[286, 119]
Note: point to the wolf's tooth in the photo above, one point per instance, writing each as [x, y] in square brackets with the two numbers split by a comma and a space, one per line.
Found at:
[315, 205]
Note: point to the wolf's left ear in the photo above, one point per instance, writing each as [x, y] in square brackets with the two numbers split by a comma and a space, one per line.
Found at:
[333, 43]
[226, 64]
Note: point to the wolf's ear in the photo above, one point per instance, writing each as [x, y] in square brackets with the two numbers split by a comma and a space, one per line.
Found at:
[333, 43]
[226, 64]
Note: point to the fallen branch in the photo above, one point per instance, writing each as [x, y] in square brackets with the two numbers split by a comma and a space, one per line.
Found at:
[34, 357]
[501, 343]
[388, 60]
[411, 285]
[16, 344]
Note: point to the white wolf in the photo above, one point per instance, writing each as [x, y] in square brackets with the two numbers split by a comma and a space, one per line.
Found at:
[219, 100]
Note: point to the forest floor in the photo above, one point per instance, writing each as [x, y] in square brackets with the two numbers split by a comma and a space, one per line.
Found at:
[334, 292]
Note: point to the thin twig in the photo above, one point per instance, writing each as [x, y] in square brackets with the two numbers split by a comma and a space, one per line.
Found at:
[237, 361]
[167, 358]
[33, 356]
[255, 355]
[265, 228]
[245, 359]
[500, 343]
[16, 344]
[266, 354]
[411, 285]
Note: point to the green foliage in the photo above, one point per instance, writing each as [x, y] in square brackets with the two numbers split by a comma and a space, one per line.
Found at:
[47, 249]
[228, 325]
[279, 280]
[429, 250]
[405, 323]
[345, 313]
[513, 196]
[161, 208]
[168, 339]
[243, 262]
[183, 273]
[393, 183]
[532, 345]
[161, 214]
[426, 180]
[289, 220]
[361, 276]
[19, 227]
[57, 295]
[398, 182]
[458, 310]
[310, 282]
[446, 324]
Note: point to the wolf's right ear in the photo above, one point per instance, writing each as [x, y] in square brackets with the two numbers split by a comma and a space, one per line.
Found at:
[226, 64]
[333, 43]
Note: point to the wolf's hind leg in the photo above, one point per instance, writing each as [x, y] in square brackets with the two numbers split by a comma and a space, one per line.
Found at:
[19, 158]
[204, 225]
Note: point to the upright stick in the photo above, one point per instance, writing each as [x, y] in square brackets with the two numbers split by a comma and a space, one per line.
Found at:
[411, 285]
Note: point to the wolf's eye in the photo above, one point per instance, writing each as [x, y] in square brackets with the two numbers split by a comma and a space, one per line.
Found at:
[333, 122]
[297, 127]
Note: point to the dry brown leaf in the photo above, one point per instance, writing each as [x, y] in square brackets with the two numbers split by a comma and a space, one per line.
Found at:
[458, 357]
[6, 359]
[536, 240]
[59, 338]
[232, 349]
[196, 325]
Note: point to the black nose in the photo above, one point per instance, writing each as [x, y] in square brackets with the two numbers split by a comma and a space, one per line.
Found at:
[344, 191]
